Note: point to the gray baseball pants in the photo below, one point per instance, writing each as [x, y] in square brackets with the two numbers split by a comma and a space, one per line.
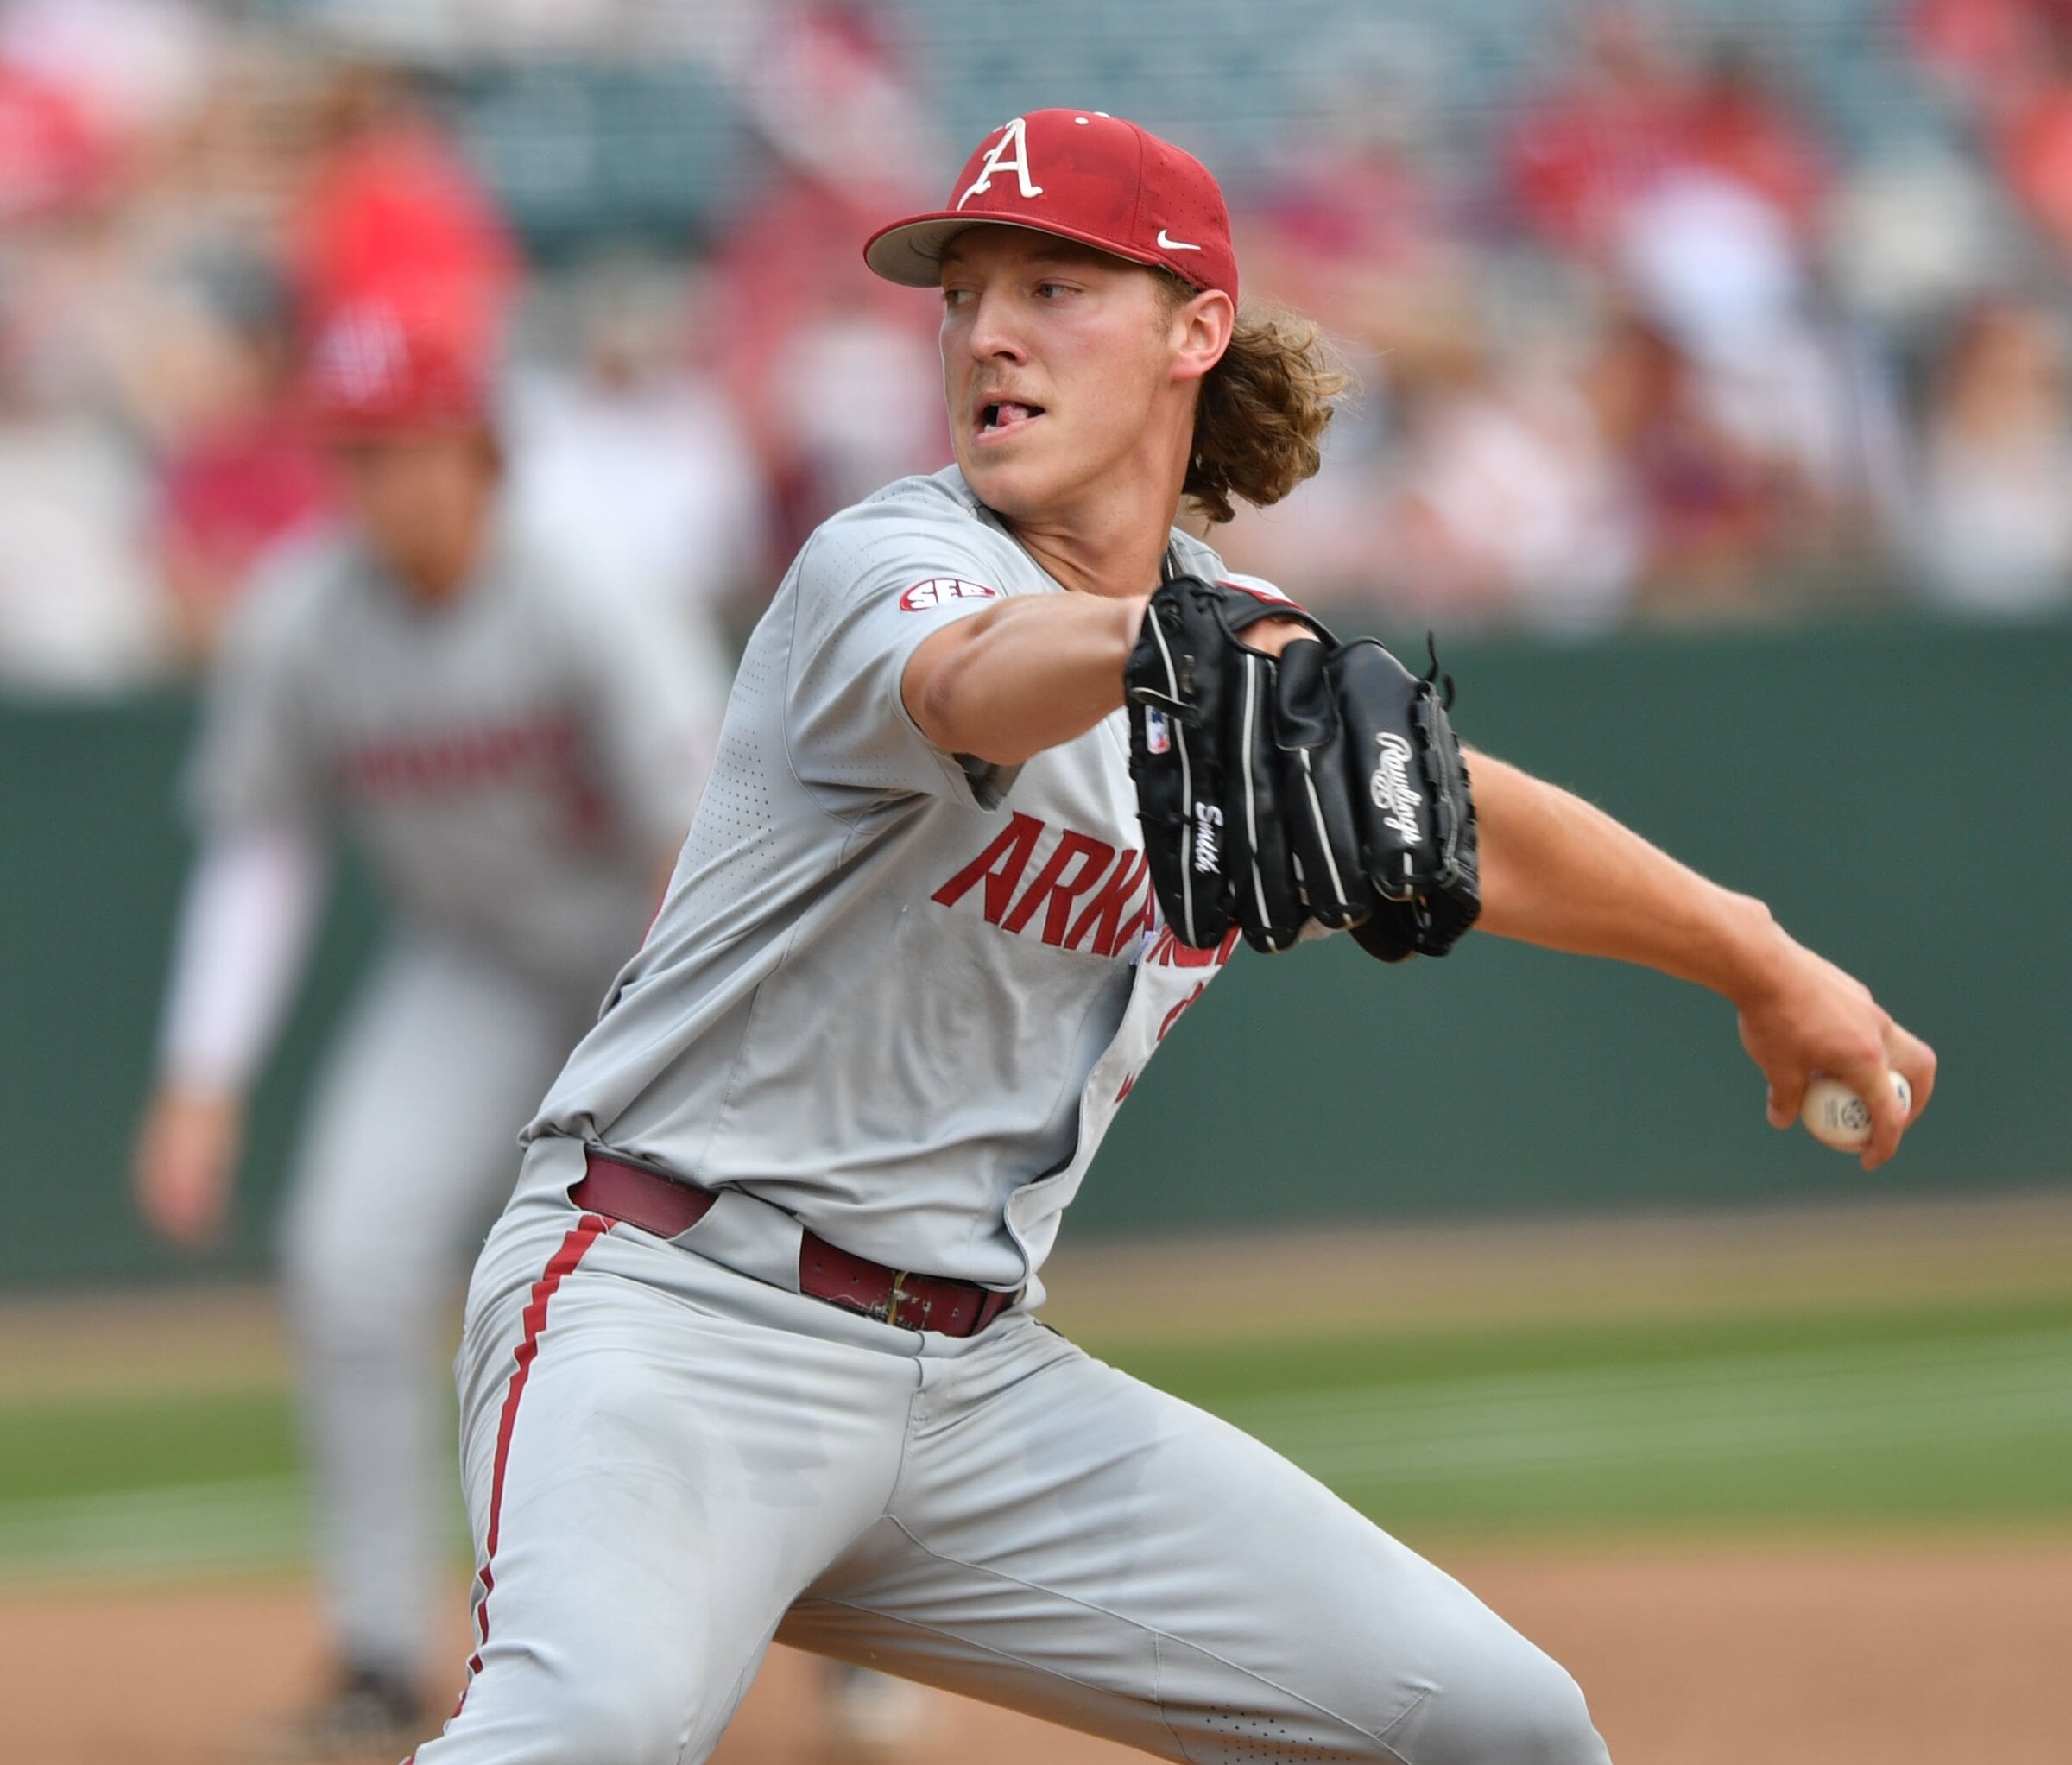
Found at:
[668, 1463]
[407, 1152]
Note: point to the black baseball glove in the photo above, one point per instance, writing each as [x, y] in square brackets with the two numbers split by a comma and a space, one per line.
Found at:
[1323, 785]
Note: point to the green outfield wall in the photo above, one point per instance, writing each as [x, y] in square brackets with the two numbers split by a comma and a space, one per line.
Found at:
[1899, 795]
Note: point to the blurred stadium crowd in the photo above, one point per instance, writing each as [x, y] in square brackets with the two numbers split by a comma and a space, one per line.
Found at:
[1670, 312]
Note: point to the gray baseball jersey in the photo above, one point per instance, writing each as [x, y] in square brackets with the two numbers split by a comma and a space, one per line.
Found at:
[512, 761]
[898, 994]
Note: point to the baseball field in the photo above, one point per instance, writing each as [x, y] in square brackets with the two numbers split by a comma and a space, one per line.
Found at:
[1795, 1485]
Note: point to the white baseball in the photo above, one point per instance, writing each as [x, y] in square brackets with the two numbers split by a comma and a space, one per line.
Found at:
[1837, 1116]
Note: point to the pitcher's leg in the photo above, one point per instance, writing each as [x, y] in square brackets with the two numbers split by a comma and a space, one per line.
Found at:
[1069, 1541]
[651, 1484]
[409, 1149]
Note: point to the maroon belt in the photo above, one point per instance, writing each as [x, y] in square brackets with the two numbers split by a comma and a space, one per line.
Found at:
[664, 1207]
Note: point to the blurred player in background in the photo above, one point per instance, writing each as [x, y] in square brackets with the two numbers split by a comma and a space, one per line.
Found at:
[516, 739]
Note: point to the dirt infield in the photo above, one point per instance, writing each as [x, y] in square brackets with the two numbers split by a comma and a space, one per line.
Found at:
[1818, 1656]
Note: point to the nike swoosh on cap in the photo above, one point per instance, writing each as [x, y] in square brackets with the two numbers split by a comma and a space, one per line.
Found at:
[1170, 244]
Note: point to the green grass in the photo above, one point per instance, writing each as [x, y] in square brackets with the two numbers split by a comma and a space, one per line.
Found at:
[1886, 1417]
[152, 1483]
[109, 1442]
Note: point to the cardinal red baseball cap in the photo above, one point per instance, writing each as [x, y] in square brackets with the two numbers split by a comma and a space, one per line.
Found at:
[1082, 175]
[377, 369]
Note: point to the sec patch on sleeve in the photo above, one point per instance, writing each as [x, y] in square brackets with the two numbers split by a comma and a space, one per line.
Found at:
[940, 590]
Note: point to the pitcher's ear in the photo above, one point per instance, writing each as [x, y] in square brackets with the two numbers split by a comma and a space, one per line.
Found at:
[1205, 323]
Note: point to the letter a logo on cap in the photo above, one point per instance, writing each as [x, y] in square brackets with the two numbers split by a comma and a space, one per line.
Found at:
[996, 159]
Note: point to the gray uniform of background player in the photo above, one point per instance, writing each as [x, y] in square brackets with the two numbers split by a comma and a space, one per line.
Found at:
[897, 1000]
[515, 764]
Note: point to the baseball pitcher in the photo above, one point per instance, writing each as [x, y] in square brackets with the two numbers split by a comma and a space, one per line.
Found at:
[1010, 769]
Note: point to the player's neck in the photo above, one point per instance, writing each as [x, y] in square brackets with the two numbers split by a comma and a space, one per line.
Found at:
[1112, 543]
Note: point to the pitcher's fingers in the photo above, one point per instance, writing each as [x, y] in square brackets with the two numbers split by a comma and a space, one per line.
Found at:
[1787, 1093]
[1871, 1080]
[1907, 1054]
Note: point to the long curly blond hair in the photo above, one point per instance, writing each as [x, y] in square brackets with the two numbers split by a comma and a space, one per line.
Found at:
[1259, 427]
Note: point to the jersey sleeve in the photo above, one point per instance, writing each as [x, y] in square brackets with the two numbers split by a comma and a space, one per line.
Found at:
[656, 683]
[860, 610]
[244, 933]
[255, 762]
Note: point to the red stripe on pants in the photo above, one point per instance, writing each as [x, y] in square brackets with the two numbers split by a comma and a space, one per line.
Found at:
[586, 1232]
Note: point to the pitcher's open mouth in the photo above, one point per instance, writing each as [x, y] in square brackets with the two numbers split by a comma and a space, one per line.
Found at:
[997, 418]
